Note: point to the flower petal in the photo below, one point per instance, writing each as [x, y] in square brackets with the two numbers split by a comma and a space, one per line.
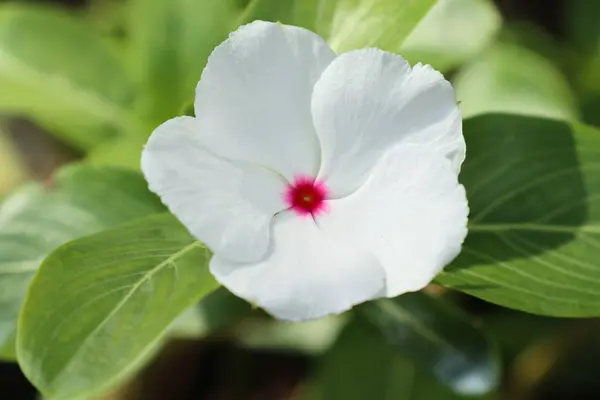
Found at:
[253, 100]
[369, 100]
[227, 205]
[306, 275]
[411, 213]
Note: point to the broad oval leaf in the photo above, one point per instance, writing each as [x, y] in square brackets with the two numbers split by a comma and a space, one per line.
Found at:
[55, 70]
[454, 31]
[515, 80]
[99, 305]
[37, 218]
[361, 366]
[439, 338]
[534, 232]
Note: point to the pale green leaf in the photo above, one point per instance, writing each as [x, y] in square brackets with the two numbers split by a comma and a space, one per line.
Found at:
[454, 31]
[170, 43]
[514, 80]
[12, 166]
[38, 218]
[348, 24]
[123, 152]
[384, 24]
[534, 232]
[57, 71]
[99, 305]
[309, 337]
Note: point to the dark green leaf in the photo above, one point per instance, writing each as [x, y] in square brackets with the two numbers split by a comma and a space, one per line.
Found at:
[38, 218]
[54, 69]
[361, 366]
[99, 305]
[438, 337]
[534, 193]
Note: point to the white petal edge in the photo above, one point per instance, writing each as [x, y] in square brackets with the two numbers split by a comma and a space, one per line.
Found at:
[253, 100]
[306, 275]
[411, 213]
[225, 204]
[367, 101]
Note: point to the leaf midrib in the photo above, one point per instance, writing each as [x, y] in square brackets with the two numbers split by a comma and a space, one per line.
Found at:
[120, 305]
[533, 227]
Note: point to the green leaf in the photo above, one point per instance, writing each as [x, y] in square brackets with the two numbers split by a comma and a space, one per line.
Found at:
[510, 79]
[361, 366]
[355, 24]
[170, 43]
[123, 152]
[99, 305]
[12, 166]
[453, 32]
[55, 70]
[309, 337]
[38, 218]
[582, 26]
[216, 311]
[534, 232]
[438, 337]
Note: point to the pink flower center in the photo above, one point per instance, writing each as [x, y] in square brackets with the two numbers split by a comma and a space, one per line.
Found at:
[306, 196]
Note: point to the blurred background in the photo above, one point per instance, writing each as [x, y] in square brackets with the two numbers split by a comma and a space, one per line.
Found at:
[534, 57]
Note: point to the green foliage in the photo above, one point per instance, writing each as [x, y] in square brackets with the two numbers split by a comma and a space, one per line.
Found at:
[454, 31]
[420, 330]
[108, 293]
[99, 305]
[170, 43]
[354, 24]
[533, 187]
[40, 217]
[439, 338]
[514, 80]
[216, 311]
[55, 70]
[347, 24]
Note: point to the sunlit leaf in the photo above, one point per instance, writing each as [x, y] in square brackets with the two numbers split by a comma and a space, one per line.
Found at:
[347, 24]
[38, 218]
[514, 80]
[534, 232]
[454, 31]
[99, 305]
[355, 24]
[57, 71]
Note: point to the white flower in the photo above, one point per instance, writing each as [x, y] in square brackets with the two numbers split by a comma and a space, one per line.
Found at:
[318, 181]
